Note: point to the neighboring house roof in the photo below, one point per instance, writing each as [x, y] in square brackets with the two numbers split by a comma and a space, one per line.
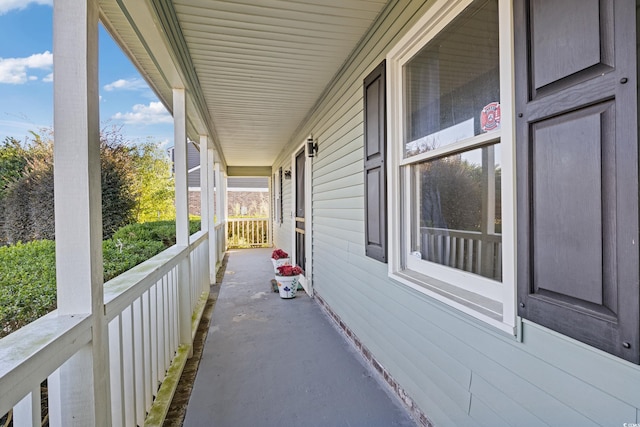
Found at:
[247, 184]
[233, 183]
[193, 164]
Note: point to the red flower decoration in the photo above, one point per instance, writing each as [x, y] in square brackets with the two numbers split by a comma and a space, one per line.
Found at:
[279, 253]
[289, 270]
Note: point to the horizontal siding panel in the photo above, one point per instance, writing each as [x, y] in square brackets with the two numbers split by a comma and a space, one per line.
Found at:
[340, 224]
[347, 235]
[351, 203]
[351, 180]
[598, 369]
[485, 416]
[354, 140]
[338, 245]
[350, 109]
[339, 213]
[501, 403]
[351, 162]
[341, 193]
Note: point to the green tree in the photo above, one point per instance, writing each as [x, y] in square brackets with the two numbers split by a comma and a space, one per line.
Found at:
[153, 184]
[27, 200]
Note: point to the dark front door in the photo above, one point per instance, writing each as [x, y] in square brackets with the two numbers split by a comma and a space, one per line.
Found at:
[300, 224]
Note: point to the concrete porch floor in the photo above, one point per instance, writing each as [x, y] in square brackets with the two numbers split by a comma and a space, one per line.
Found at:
[268, 361]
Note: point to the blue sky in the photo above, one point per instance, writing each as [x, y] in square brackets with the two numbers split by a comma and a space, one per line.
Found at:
[26, 89]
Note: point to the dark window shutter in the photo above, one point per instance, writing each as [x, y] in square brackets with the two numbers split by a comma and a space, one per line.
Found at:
[577, 171]
[375, 177]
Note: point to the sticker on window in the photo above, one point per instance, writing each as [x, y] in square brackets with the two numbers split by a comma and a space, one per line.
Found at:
[490, 117]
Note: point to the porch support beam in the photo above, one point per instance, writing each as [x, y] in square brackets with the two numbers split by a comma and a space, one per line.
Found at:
[181, 168]
[79, 391]
[182, 211]
[204, 183]
[213, 238]
[206, 202]
[218, 179]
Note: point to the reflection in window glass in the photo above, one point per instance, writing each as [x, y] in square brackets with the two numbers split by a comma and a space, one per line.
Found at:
[452, 86]
[457, 211]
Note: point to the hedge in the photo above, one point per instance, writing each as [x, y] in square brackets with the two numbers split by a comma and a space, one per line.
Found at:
[28, 277]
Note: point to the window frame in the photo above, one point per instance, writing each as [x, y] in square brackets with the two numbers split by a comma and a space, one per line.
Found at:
[450, 286]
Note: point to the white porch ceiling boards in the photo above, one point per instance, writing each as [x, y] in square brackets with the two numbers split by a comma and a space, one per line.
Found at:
[262, 64]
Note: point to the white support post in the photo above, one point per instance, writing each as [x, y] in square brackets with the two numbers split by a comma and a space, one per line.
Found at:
[213, 241]
[204, 182]
[205, 209]
[224, 205]
[223, 193]
[181, 169]
[218, 179]
[182, 212]
[82, 388]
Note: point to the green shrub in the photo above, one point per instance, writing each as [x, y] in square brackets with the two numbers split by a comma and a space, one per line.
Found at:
[120, 257]
[159, 231]
[28, 276]
[27, 283]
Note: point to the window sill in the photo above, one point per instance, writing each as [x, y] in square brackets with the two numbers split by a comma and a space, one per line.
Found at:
[477, 306]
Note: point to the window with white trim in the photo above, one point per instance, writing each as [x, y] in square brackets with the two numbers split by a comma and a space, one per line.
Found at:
[451, 140]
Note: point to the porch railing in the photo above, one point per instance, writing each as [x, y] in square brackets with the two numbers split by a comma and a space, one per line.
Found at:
[248, 232]
[142, 308]
[221, 240]
[466, 250]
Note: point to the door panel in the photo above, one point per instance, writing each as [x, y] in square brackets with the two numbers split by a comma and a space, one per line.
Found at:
[300, 210]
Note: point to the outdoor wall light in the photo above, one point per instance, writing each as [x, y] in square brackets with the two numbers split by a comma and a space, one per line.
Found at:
[312, 147]
[287, 174]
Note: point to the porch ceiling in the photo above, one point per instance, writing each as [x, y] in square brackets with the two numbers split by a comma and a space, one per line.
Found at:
[260, 65]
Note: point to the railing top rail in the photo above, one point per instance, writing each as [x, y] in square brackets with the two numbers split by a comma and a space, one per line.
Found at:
[456, 233]
[122, 290]
[248, 219]
[33, 352]
[198, 237]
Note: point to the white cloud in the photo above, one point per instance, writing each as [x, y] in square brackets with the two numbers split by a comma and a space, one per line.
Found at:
[145, 115]
[14, 70]
[126, 84]
[48, 78]
[9, 5]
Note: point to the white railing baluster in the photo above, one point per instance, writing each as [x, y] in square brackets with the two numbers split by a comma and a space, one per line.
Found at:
[53, 399]
[116, 373]
[128, 367]
[160, 322]
[153, 337]
[168, 321]
[146, 345]
[471, 251]
[246, 232]
[27, 412]
[138, 357]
